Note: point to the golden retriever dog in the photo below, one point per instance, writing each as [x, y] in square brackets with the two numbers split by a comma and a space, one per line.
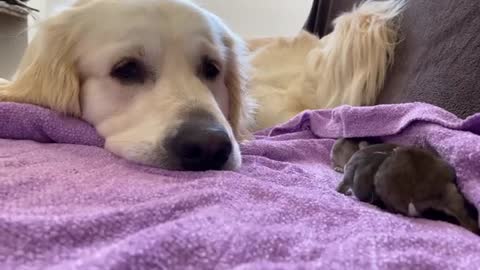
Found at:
[168, 84]
[347, 66]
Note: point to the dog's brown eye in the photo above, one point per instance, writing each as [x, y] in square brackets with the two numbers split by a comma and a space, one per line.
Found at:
[129, 71]
[209, 69]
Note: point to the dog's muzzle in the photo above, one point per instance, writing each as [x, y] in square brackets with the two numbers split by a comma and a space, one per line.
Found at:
[200, 143]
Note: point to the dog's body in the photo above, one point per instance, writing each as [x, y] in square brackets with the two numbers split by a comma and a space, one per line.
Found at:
[167, 84]
[347, 66]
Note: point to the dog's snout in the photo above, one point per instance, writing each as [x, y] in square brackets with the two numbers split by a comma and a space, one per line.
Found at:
[204, 149]
[200, 147]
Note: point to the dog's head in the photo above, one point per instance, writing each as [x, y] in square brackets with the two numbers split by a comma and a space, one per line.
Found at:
[163, 81]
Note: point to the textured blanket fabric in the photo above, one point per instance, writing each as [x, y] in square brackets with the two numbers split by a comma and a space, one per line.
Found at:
[65, 203]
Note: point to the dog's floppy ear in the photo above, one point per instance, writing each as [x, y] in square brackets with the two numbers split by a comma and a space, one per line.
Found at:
[46, 75]
[240, 105]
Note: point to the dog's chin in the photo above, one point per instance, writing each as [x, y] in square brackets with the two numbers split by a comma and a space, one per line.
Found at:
[234, 163]
[141, 156]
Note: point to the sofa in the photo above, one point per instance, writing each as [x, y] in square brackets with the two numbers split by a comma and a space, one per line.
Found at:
[438, 55]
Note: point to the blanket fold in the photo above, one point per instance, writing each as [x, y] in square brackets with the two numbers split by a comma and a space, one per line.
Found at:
[66, 203]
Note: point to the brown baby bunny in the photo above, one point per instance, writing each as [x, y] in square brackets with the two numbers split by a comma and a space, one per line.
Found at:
[412, 181]
[343, 149]
[360, 172]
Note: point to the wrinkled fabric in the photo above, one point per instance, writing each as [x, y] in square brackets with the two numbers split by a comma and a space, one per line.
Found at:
[66, 203]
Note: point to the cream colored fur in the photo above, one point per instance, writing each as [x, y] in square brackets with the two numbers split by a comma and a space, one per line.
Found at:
[68, 66]
[348, 66]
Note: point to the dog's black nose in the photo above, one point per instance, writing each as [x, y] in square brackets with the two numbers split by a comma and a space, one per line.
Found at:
[199, 148]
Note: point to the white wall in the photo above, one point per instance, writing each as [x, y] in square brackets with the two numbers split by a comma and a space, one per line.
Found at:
[37, 17]
[249, 18]
[46, 7]
[13, 41]
[259, 18]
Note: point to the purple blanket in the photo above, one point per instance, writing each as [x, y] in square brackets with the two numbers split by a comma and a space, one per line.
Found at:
[65, 203]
